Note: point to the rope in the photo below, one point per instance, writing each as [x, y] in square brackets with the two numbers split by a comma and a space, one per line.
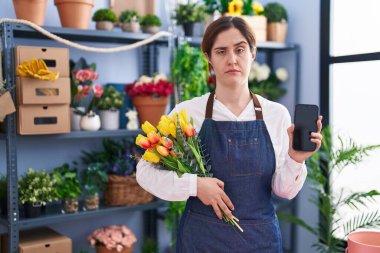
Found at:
[86, 48]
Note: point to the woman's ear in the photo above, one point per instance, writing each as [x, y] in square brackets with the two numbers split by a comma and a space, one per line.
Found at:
[253, 53]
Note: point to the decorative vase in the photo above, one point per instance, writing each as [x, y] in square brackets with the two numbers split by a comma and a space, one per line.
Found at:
[70, 206]
[150, 29]
[276, 31]
[32, 210]
[75, 118]
[91, 202]
[102, 249]
[150, 108]
[31, 10]
[109, 119]
[130, 27]
[75, 13]
[90, 122]
[104, 25]
[188, 29]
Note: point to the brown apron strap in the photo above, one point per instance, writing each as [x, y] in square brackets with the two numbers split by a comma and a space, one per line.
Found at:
[256, 106]
[210, 105]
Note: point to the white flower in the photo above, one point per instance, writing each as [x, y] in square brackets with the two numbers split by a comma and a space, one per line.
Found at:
[253, 72]
[144, 79]
[160, 77]
[263, 73]
[282, 74]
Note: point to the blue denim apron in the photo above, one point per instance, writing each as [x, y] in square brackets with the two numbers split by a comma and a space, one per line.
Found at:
[242, 156]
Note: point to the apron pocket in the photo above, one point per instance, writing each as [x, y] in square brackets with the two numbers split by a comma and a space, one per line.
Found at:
[244, 156]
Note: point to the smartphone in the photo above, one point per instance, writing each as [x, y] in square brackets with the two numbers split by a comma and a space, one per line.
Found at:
[305, 122]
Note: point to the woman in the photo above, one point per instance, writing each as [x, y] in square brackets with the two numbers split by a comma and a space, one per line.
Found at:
[251, 155]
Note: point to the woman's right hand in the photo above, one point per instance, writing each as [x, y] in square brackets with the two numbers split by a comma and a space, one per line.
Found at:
[211, 192]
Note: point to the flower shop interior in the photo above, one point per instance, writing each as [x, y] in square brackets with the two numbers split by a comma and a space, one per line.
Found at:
[79, 77]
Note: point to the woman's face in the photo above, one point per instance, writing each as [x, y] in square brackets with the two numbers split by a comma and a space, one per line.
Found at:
[231, 58]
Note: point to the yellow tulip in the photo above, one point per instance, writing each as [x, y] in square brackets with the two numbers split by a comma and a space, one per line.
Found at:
[163, 125]
[142, 141]
[153, 137]
[162, 150]
[235, 7]
[147, 127]
[150, 156]
[258, 9]
[166, 142]
[189, 130]
[173, 130]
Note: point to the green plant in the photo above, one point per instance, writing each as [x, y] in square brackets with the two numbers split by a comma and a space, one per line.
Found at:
[115, 157]
[36, 186]
[111, 99]
[275, 12]
[324, 166]
[247, 8]
[128, 15]
[150, 20]
[189, 71]
[67, 184]
[104, 15]
[189, 13]
[216, 5]
[94, 179]
[149, 246]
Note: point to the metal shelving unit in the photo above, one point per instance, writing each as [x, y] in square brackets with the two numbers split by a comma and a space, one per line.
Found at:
[13, 221]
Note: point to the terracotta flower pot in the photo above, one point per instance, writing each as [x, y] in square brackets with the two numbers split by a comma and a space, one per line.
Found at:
[102, 249]
[75, 13]
[150, 108]
[31, 10]
[363, 242]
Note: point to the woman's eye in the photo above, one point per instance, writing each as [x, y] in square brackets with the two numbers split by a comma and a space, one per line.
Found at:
[240, 50]
[220, 52]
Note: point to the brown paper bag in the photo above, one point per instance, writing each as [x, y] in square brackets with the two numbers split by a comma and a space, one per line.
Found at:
[6, 105]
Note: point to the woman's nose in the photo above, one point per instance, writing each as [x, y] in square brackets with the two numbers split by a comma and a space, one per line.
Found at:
[231, 58]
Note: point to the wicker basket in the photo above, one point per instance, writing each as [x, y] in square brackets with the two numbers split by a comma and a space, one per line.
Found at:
[124, 190]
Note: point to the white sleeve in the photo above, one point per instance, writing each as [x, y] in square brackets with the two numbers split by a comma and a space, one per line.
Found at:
[290, 175]
[166, 184]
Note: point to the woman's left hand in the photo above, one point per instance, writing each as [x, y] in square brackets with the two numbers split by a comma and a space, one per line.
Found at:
[316, 137]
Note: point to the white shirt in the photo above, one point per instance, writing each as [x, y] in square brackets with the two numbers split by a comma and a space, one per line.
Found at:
[289, 175]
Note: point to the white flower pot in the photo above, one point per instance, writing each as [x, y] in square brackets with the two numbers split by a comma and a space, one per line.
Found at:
[90, 122]
[109, 119]
[75, 118]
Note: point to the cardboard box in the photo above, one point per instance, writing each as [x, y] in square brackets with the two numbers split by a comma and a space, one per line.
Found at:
[43, 119]
[41, 240]
[259, 26]
[35, 91]
[57, 59]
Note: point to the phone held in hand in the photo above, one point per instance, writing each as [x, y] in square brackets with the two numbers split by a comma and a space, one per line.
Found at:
[305, 121]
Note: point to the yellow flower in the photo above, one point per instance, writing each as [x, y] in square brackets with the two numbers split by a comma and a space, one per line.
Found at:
[164, 151]
[257, 7]
[142, 141]
[147, 127]
[153, 137]
[235, 7]
[150, 156]
[183, 119]
[163, 125]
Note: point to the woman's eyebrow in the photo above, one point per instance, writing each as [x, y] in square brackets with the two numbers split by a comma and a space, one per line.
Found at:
[237, 44]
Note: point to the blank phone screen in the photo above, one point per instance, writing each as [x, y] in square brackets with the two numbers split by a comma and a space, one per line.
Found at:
[305, 121]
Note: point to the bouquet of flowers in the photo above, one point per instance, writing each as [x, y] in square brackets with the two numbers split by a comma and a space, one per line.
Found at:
[176, 146]
[112, 237]
[157, 86]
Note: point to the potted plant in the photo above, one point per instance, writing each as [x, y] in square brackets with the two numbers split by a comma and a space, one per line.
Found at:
[91, 121]
[109, 104]
[6, 102]
[94, 179]
[253, 14]
[262, 81]
[189, 71]
[129, 20]
[150, 23]
[150, 95]
[188, 14]
[122, 187]
[67, 187]
[75, 13]
[3, 195]
[104, 19]
[277, 22]
[36, 188]
[323, 167]
[31, 10]
[112, 239]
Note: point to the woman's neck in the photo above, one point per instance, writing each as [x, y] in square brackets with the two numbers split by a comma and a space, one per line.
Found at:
[236, 100]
